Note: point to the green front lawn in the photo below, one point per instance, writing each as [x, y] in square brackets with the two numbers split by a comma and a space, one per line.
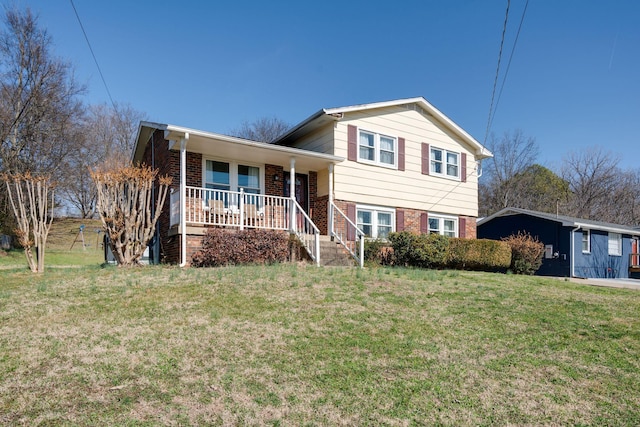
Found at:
[298, 345]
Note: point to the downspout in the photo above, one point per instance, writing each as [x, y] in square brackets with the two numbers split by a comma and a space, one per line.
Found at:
[572, 260]
[183, 199]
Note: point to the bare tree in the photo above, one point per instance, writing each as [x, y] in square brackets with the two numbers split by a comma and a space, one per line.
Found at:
[31, 200]
[125, 206]
[39, 105]
[513, 153]
[265, 129]
[593, 176]
[108, 137]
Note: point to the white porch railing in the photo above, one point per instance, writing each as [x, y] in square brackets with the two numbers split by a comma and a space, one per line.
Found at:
[307, 232]
[347, 233]
[237, 209]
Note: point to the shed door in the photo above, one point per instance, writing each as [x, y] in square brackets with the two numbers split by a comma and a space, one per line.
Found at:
[635, 255]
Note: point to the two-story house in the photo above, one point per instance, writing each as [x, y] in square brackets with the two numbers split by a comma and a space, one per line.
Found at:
[350, 173]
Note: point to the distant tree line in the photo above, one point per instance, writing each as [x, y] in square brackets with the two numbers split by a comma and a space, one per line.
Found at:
[589, 183]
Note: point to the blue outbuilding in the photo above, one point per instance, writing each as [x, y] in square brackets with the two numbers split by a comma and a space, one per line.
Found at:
[574, 247]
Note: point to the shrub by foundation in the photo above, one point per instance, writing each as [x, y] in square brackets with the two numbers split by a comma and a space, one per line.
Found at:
[480, 254]
[526, 253]
[419, 250]
[254, 246]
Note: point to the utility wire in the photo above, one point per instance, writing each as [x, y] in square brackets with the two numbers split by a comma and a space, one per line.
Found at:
[506, 73]
[495, 82]
[94, 55]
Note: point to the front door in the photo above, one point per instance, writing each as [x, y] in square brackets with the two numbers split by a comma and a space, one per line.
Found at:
[635, 257]
[302, 189]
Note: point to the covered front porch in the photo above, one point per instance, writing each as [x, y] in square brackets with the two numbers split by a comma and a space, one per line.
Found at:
[239, 184]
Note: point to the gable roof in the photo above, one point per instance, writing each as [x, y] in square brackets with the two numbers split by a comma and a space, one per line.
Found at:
[327, 115]
[567, 221]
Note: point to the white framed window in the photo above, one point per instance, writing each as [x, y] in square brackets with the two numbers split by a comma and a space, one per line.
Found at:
[232, 176]
[445, 163]
[615, 244]
[445, 225]
[376, 222]
[586, 241]
[374, 148]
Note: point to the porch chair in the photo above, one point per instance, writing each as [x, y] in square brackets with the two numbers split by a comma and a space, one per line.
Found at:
[217, 212]
[251, 215]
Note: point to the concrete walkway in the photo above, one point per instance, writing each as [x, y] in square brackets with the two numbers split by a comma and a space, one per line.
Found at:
[610, 283]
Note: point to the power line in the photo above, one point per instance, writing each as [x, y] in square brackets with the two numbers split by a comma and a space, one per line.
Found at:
[495, 82]
[506, 73]
[93, 54]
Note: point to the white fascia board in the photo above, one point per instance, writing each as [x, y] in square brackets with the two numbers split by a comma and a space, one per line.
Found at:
[179, 130]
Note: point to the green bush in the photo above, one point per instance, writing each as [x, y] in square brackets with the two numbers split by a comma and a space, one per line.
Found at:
[526, 253]
[377, 252]
[419, 250]
[254, 246]
[480, 254]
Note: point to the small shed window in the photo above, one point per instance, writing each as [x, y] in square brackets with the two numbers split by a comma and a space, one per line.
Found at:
[615, 244]
[586, 241]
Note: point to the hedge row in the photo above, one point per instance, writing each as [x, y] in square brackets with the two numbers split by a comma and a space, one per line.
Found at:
[437, 251]
[254, 246]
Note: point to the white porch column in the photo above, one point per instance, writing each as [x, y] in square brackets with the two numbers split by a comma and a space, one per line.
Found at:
[330, 203]
[292, 194]
[183, 199]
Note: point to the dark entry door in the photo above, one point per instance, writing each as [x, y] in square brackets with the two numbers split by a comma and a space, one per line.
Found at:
[302, 189]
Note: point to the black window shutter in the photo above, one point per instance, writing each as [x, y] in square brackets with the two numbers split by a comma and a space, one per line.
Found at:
[400, 154]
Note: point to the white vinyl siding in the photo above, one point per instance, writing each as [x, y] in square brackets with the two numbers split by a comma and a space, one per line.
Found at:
[615, 244]
[408, 189]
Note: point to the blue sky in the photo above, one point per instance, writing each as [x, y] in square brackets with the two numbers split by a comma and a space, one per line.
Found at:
[574, 80]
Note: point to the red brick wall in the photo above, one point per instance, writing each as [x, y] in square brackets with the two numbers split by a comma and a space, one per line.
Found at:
[271, 186]
[470, 227]
[313, 193]
[320, 214]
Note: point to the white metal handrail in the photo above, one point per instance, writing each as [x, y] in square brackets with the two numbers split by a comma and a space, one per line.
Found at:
[307, 232]
[345, 232]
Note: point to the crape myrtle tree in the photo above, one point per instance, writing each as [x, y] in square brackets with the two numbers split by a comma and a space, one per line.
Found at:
[31, 199]
[39, 105]
[124, 203]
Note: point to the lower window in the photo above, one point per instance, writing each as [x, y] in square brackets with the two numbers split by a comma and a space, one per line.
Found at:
[375, 222]
[447, 226]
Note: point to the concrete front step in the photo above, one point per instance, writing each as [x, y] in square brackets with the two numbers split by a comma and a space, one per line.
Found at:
[334, 254]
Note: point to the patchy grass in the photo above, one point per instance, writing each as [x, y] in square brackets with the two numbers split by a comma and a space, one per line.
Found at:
[298, 345]
[59, 251]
